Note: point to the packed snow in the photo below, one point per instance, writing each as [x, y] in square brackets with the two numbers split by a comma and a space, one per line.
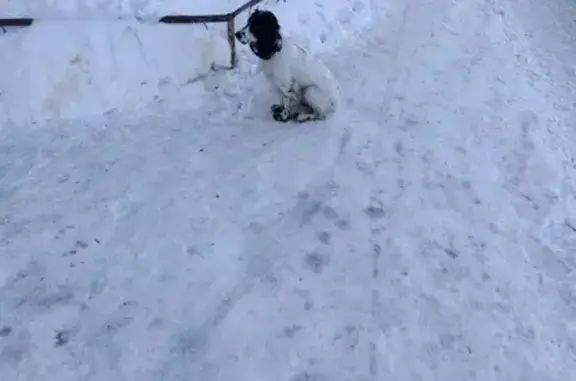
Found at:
[427, 232]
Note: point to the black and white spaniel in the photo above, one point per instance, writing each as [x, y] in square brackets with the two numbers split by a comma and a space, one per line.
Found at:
[308, 89]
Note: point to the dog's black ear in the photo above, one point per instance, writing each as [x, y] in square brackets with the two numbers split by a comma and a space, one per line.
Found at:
[265, 48]
[269, 21]
[265, 28]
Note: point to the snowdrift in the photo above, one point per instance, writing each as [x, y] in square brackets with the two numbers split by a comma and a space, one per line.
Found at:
[89, 58]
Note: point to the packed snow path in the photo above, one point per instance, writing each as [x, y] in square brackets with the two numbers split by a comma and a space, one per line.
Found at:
[425, 233]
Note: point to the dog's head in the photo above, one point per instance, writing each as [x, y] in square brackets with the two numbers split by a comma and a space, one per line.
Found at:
[262, 34]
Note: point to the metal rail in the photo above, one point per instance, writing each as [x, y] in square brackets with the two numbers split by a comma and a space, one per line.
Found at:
[228, 18]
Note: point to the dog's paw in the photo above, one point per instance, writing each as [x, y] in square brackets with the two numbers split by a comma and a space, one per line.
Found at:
[305, 117]
[276, 108]
[281, 115]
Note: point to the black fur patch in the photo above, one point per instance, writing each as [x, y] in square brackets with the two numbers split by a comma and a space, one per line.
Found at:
[264, 26]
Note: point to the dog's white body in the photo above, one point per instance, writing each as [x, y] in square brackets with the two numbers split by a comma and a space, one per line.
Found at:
[298, 75]
[308, 89]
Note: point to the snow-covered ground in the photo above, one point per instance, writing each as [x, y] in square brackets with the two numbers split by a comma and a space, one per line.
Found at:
[79, 60]
[426, 232]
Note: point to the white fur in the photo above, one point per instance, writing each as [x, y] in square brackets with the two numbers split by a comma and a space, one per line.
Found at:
[299, 76]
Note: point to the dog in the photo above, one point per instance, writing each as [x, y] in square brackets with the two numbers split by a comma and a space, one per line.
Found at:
[307, 87]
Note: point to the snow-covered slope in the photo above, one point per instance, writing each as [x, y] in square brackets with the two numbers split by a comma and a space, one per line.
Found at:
[426, 232]
[83, 61]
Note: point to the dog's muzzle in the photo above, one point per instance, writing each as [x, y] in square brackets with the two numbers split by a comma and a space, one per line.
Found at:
[241, 36]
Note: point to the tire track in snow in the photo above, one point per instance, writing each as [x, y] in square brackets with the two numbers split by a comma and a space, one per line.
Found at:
[264, 240]
[376, 211]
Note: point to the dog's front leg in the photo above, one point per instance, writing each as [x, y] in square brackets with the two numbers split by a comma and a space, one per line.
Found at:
[288, 90]
[285, 111]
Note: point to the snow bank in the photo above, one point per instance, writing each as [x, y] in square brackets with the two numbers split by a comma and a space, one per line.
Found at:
[88, 58]
[70, 70]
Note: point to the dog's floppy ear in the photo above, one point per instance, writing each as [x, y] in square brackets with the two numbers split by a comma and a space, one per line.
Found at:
[265, 28]
[269, 21]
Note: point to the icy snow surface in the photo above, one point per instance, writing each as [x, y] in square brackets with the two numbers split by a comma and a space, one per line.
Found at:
[426, 232]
